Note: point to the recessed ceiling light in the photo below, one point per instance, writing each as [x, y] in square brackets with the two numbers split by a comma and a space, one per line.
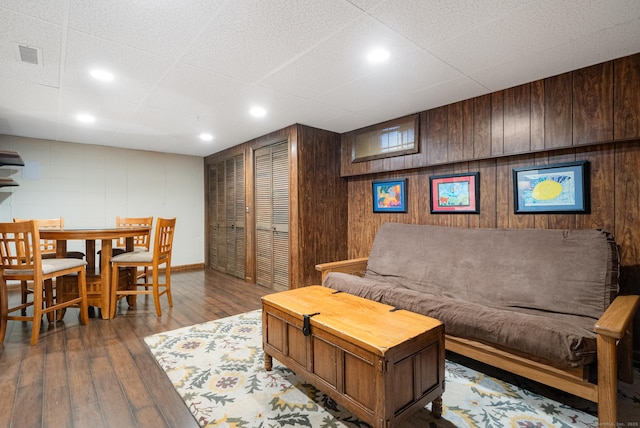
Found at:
[378, 55]
[85, 118]
[257, 112]
[206, 137]
[102, 75]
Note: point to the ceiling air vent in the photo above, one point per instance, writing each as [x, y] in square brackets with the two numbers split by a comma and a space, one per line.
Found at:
[30, 55]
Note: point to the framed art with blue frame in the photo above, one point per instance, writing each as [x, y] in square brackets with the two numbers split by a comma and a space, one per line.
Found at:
[389, 196]
[552, 189]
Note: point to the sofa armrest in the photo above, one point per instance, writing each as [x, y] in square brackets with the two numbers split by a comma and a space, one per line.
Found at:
[618, 316]
[352, 266]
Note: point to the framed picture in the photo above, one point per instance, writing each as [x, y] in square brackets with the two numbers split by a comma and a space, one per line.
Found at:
[552, 189]
[390, 196]
[455, 193]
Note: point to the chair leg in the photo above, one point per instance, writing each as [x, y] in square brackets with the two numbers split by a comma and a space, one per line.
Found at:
[82, 292]
[114, 288]
[49, 300]
[156, 292]
[37, 313]
[25, 292]
[168, 285]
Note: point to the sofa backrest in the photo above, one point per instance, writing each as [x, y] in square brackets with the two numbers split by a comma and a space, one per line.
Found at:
[565, 271]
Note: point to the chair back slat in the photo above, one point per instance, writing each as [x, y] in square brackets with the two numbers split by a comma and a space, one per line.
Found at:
[141, 241]
[163, 240]
[47, 246]
[17, 249]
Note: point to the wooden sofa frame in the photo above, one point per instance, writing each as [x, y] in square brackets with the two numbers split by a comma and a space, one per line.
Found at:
[614, 355]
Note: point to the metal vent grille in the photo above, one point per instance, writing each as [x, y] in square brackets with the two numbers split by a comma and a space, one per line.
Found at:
[30, 55]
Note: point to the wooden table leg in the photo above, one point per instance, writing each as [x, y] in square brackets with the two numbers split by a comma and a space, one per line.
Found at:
[268, 362]
[436, 407]
[105, 277]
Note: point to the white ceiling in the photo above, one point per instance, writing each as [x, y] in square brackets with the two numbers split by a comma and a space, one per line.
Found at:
[184, 67]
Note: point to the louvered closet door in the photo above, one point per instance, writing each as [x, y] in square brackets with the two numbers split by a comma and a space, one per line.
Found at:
[234, 216]
[213, 216]
[221, 220]
[227, 247]
[272, 215]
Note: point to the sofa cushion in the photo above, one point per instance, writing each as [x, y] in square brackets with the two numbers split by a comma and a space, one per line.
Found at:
[367, 288]
[563, 271]
[543, 338]
[562, 340]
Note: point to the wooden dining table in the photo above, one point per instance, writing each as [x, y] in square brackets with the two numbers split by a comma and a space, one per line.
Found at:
[98, 277]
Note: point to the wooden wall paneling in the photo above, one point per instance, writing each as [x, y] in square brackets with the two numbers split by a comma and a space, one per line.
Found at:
[627, 223]
[360, 210]
[467, 129]
[488, 193]
[482, 127]
[455, 137]
[562, 221]
[324, 219]
[558, 111]
[474, 219]
[396, 163]
[593, 104]
[627, 97]
[601, 175]
[418, 196]
[504, 193]
[497, 123]
[424, 214]
[537, 115]
[437, 136]
[518, 221]
[517, 119]
[627, 217]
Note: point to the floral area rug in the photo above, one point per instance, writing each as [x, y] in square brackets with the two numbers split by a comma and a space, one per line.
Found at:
[218, 369]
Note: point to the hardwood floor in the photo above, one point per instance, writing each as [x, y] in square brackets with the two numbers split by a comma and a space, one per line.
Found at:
[101, 374]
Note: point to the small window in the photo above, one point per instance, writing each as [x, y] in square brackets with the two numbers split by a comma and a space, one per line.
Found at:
[394, 138]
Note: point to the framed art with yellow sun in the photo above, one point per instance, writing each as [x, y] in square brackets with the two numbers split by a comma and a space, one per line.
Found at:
[552, 189]
[390, 196]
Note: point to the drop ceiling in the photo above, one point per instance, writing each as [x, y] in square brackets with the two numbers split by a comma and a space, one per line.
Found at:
[186, 67]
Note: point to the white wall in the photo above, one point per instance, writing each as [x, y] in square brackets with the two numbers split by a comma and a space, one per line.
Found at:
[90, 185]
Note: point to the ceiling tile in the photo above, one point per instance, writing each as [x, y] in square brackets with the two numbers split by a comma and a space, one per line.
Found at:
[52, 11]
[396, 82]
[538, 27]
[110, 116]
[136, 72]
[340, 60]
[614, 42]
[429, 23]
[161, 27]
[251, 38]
[192, 90]
[18, 29]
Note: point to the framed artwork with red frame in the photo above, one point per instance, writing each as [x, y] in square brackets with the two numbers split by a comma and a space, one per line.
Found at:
[455, 193]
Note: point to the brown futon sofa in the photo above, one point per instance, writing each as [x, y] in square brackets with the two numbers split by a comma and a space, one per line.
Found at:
[543, 304]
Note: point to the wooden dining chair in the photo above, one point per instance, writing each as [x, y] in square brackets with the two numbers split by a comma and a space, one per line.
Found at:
[161, 255]
[48, 249]
[140, 242]
[21, 260]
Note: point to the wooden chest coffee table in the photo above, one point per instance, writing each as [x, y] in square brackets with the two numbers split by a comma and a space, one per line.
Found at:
[379, 363]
